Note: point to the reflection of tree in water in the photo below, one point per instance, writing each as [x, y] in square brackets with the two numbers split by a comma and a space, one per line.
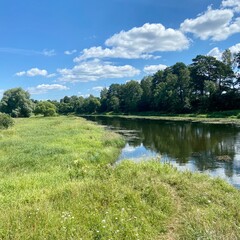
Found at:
[183, 141]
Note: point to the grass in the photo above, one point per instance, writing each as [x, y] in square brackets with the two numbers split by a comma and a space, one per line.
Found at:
[224, 117]
[57, 182]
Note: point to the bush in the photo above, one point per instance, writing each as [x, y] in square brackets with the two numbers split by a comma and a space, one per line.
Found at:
[238, 116]
[45, 108]
[5, 121]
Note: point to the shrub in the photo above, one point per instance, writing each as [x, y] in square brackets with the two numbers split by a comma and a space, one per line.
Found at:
[45, 108]
[238, 116]
[5, 121]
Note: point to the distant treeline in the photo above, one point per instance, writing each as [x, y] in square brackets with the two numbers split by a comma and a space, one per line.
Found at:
[205, 85]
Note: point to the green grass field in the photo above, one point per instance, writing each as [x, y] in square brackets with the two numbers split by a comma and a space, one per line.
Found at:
[57, 182]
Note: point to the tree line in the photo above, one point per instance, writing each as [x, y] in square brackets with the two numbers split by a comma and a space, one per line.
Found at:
[206, 85]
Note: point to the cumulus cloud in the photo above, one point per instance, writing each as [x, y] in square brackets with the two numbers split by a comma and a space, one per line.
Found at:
[70, 52]
[235, 48]
[1, 93]
[44, 88]
[94, 70]
[98, 88]
[139, 42]
[217, 53]
[151, 69]
[214, 24]
[235, 4]
[49, 53]
[33, 72]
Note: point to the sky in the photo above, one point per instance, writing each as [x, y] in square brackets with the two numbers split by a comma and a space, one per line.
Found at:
[62, 48]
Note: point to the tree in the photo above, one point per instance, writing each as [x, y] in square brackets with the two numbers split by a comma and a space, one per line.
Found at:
[103, 100]
[237, 61]
[114, 95]
[114, 104]
[91, 104]
[227, 58]
[182, 86]
[16, 102]
[146, 99]
[166, 94]
[45, 108]
[132, 93]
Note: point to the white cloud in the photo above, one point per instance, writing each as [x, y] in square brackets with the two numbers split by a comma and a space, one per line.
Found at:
[235, 4]
[28, 52]
[139, 42]
[33, 72]
[1, 93]
[98, 88]
[214, 24]
[20, 74]
[151, 69]
[94, 70]
[44, 88]
[217, 53]
[49, 53]
[235, 49]
[51, 75]
[70, 52]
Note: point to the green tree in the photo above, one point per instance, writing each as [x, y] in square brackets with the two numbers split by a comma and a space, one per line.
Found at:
[114, 95]
[16, 102]
[103, 100]
[166, 94]
[91, 104]
[114, 104]
[45, 108]
[132, 93]
[182, 86]
[146, 99]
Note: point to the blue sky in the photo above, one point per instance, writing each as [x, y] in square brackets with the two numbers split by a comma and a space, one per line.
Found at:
[61, 48]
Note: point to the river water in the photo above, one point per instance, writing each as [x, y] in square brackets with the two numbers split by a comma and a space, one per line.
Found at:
[199, 147]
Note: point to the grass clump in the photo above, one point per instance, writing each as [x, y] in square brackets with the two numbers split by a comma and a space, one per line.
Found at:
[57, 182]
[5, 121]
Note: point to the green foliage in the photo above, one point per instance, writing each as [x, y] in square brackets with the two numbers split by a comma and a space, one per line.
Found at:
[238, 116]
[131, 96]
[91, 104]
[206, 85]
[5, 121]
[16, 102]
[45, 108]
[57, 183]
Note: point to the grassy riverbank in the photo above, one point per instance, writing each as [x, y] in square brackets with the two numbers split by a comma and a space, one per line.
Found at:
[56, 182]
[225, 117]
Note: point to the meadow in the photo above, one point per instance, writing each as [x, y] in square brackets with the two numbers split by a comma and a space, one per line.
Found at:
[58, 180]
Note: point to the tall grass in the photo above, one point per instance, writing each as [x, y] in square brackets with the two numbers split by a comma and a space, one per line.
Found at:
[57, 182]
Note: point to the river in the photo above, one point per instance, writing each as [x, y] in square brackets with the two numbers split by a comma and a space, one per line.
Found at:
[198, 147]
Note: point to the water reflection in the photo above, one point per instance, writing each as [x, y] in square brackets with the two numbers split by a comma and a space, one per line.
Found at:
[192, 146]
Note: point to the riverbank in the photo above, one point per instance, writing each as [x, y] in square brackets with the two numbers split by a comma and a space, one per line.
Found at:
[57, 182]
[230, 117]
